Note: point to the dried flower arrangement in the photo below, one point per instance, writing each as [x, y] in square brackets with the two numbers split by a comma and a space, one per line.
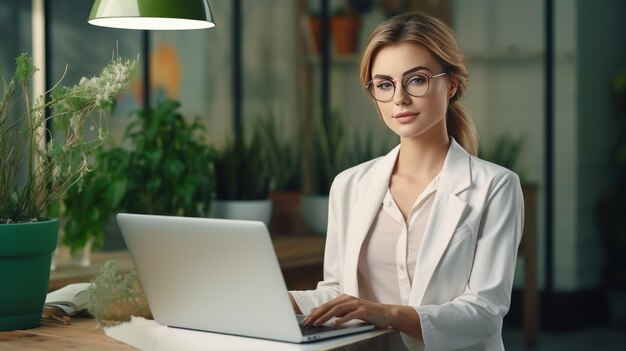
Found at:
[114, 297]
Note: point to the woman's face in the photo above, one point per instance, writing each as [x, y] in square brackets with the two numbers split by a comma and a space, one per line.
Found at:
[410, 116]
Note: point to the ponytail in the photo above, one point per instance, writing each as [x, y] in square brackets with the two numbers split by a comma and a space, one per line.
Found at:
[461, 127]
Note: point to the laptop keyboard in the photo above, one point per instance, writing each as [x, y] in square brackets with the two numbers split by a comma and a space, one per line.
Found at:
[315, 329]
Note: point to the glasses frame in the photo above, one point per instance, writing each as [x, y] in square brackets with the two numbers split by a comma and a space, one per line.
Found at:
[394, 82]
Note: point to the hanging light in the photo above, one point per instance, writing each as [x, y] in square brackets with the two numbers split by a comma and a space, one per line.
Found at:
[152, 14]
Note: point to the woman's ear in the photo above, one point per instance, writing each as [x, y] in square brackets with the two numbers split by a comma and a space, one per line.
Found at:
[453, 83]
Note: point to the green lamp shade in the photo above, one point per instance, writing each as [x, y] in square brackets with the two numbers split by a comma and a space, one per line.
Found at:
[152, 14]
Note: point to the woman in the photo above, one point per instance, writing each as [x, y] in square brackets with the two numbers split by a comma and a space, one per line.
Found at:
[424, 239]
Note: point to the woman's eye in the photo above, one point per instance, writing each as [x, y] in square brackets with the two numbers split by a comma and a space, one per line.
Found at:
[417, 80]
[384, 85]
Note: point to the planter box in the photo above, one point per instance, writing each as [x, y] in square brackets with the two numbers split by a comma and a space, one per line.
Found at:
[25, 257]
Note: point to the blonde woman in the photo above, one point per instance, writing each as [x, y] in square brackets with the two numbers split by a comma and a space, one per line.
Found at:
[424, 239]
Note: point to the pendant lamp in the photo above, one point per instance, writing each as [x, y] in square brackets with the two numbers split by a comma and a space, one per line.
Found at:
[152, 14]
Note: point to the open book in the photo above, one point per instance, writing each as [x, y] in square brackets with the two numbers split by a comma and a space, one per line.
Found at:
[70, 299]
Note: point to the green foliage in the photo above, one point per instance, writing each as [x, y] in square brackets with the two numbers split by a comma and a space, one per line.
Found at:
[167, 171]
[504, 152]
[170, 169]
[241, 170]
[332, 151]
[284, 157]
[114, 297]
[329, 152]
[33, 174]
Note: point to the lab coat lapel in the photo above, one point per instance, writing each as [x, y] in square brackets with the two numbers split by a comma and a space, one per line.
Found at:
[445, 216]
[371, 193]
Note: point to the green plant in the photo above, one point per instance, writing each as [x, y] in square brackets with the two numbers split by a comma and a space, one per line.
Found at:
[611, 206]
[241, 170]
[284, 157]
[167, 169]
[365, 148]
[353, 7]
[328, 153]
[34, 173]
[505, 151]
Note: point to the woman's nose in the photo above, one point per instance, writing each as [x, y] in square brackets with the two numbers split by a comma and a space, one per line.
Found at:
[401, 97]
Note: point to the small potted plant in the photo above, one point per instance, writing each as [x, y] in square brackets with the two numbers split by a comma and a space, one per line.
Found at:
[34, 174]
[284, 161]
[242, 181]
[345, 25]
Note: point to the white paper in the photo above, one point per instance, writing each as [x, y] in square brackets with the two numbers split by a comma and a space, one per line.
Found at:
[150, 336]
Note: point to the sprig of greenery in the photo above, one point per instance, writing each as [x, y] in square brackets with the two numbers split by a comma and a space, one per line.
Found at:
[284, 157]
[54, 167]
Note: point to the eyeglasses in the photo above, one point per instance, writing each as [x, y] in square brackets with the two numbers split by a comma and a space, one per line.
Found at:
[415, 84]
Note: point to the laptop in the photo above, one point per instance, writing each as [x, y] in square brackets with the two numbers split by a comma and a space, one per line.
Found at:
[216, 275]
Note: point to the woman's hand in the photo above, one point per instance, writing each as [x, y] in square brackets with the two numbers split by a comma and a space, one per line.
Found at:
[346, 308]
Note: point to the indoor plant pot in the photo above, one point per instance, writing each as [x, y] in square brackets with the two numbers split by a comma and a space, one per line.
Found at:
[34, 174]
[251, 210]
[25, 254]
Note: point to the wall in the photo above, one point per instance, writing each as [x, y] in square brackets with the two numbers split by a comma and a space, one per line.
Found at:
[601, 34]
[503, 44]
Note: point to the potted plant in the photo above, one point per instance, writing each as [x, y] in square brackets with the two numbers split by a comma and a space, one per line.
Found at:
[242, 181]
[610, 209]
[330, 153]
[345, 25]
[33, 174]
[284, 162]
[166, 168]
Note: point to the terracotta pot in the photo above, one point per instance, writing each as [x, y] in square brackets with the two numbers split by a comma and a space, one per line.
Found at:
[345, 31]
[286, 217]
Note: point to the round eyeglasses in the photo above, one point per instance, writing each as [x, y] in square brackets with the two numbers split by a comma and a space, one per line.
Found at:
[415, 84]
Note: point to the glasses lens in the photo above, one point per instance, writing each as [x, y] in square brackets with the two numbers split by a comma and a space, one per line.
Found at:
[381, 89]
[416, 84]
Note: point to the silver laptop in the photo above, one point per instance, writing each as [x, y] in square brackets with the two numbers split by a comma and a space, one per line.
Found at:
[216, 275]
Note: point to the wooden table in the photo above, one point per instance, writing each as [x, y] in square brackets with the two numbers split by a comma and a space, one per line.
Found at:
[81, 334]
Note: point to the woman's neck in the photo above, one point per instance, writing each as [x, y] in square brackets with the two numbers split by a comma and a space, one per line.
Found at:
[421, 157]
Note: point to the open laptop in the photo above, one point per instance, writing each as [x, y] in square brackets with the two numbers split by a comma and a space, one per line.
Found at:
[216, 275]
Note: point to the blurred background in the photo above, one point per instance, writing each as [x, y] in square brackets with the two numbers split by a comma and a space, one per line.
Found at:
[547, 92]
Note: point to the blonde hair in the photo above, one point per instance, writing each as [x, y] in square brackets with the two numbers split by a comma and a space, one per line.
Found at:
[440, 41]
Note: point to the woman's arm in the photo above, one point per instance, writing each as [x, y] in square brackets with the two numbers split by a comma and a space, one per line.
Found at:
[346, 308]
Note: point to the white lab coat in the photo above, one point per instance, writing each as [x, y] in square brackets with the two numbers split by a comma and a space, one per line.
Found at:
[465, 266]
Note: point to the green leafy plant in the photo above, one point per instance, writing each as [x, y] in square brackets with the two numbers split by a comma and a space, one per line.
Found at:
[284, 157]
[329, 153]
[33, 173]
[505, 151]
[332, 151]
[241, 169]
[167, 170]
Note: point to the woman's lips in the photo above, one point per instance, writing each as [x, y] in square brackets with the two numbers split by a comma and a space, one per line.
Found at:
[405, 117]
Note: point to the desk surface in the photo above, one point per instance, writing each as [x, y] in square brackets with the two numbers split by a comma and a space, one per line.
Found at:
[83, 334]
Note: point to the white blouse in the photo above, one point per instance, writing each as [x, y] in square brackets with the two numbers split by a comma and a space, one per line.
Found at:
[389, 252]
